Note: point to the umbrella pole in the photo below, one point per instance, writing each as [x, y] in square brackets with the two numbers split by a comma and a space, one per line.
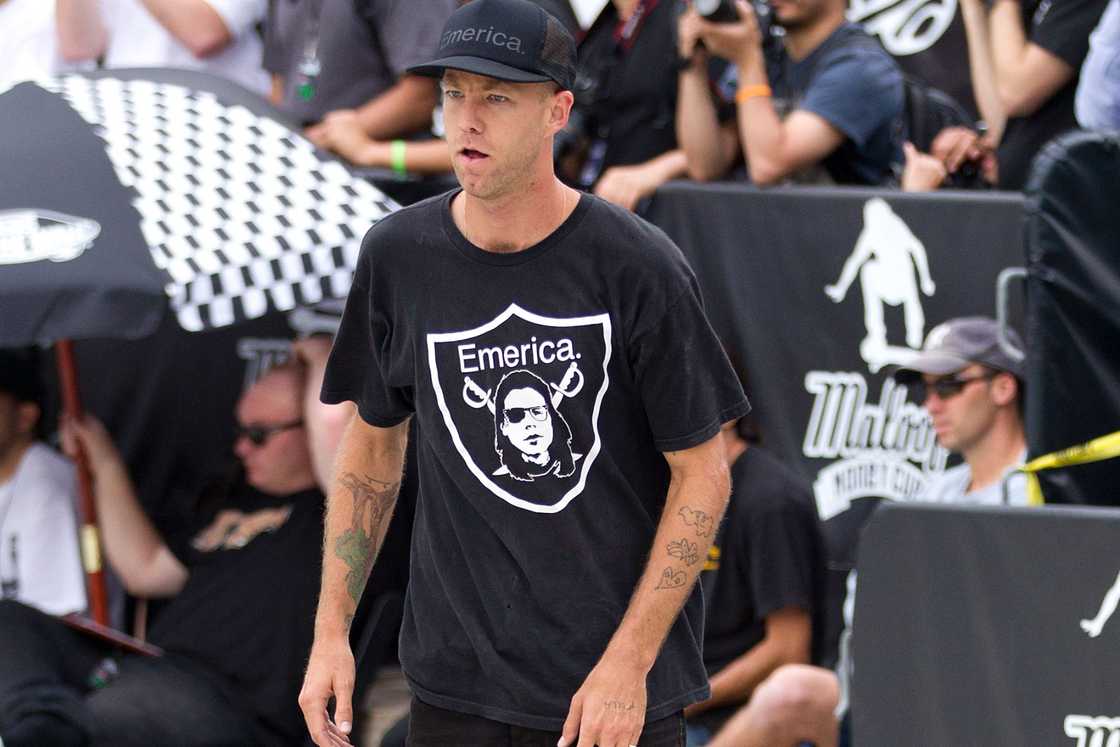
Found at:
[89, 538]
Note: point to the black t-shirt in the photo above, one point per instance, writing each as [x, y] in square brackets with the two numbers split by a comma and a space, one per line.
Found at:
[631, 105]
[767, 556]
[545, 382]
[1061, 27]
[247, 615]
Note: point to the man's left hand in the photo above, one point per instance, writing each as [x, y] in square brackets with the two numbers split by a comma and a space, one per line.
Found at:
[626, 185]
[341, 132]
[735, 41]
[609, 709]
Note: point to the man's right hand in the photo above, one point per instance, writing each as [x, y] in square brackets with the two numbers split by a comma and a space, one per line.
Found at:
[90, 436]
[330, 673]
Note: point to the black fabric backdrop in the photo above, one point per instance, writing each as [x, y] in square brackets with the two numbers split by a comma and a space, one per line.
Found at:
[764, 258]
[988, 646]
[1073, 248]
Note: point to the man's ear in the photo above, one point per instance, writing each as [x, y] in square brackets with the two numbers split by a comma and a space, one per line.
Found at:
[1004, 389]
[561, 110]
[27, 417]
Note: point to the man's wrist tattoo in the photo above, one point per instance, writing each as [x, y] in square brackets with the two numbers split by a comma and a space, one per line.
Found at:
[372, 501]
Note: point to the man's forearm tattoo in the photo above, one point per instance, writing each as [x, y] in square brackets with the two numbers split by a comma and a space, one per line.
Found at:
[372, 501]
[687, 551]
[704, 523]
[671, 579]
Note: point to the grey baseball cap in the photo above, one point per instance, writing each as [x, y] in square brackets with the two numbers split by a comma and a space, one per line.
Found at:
[956, 344]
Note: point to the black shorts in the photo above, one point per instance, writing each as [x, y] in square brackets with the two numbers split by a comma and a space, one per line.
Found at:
[436, 727]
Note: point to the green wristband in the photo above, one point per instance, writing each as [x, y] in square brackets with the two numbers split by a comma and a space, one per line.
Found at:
[397, 150]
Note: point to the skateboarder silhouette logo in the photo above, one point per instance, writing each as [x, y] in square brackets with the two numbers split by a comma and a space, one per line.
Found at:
[1095, 625]
[892, 266]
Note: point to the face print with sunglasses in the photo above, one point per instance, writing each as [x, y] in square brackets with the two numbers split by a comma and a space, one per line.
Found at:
[531, 437]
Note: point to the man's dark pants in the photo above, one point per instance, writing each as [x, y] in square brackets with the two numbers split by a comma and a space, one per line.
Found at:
[435, 727]
[47, 697]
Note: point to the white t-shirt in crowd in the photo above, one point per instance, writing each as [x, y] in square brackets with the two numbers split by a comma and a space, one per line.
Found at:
[39, 561]
[951, 486]
[28, 43]
[137, 39]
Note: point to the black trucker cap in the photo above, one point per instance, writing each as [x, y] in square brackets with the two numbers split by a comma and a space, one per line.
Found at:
[513, 40]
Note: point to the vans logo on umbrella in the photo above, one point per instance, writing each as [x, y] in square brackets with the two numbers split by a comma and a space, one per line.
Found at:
[521, 396]
[38, 235]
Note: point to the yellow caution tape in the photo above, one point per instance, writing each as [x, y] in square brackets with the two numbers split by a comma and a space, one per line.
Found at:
[1097, 450]
[91, 548]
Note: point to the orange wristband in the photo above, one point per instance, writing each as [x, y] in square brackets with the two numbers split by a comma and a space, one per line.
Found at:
[747, 93]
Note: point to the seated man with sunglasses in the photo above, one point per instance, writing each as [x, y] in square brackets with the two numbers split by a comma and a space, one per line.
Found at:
[239, 588]
[972, 390]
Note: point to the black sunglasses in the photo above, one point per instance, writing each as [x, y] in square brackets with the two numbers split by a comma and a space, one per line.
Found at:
[259, 434]
[948, 386]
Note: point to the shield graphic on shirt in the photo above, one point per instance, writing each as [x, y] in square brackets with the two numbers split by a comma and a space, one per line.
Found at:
[521, 397]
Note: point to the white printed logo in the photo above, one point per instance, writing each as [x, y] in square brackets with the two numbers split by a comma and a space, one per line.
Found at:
[521, 396]
[37, 235]
[1094, 626]
[887, 447]
[1089, 731]
[885, 256]
[904, 27]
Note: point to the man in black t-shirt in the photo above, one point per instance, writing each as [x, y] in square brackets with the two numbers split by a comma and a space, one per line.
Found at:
[762, 583]
[1025, 59]
[555, 599]
[238, 583]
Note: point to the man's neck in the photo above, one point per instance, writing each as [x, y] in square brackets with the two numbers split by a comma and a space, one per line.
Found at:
[517, 221]
[801, 42]
[998, 452]
[9, 461]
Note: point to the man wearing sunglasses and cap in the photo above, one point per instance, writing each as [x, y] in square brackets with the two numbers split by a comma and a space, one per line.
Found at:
[552, 593]
[235, 585]
[972, 390]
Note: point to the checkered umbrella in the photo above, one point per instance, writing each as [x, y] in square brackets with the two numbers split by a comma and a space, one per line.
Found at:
[127, 191]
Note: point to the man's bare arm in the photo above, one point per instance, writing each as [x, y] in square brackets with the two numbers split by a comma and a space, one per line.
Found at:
[1027, 75]
[981, 68]
[194, 23]
[610, 706]
[361, 502]
[404, 108]
[81, 33]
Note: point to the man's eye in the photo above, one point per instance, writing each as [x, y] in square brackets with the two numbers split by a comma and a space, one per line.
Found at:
[498, 98]
[451, 93]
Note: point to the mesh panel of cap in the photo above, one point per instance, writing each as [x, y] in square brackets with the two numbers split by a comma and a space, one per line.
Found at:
[557, 58]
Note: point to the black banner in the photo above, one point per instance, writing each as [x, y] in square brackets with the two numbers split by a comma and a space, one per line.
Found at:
[816, 293]
[1007, 634]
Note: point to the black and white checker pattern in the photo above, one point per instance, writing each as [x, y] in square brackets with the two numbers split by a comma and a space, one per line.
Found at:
[240, 211]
